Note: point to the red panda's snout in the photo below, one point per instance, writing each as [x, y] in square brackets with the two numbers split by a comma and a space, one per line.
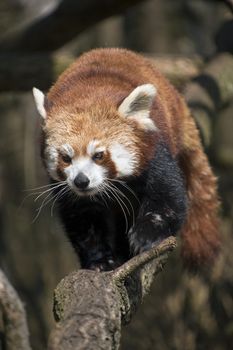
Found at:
[89, 172]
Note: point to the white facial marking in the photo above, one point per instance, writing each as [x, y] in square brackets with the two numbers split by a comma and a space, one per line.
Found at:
[93, 147]
[137, 106]
[51, 155]
[157, 217]
[39, 101]
[93, 171]
[68, 150]
[124, 160]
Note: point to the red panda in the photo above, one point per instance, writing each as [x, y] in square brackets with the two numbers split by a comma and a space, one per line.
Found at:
[125, 161]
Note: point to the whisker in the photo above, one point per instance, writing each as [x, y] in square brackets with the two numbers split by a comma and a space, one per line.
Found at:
[118, 193]
[49, 197]
[122, 208]
[103, 188]
[60, 194]
[131, 206]
[41, 187]
[121, 182]
[111, 190]
[52, 186]
[105, 202]
[101, 192]
[43, 204]
[49, 190]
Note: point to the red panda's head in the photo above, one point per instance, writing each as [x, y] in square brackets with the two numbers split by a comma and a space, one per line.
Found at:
[88, 148]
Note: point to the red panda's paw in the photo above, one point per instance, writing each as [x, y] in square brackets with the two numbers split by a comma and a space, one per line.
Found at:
[107, 264]
[140, 241]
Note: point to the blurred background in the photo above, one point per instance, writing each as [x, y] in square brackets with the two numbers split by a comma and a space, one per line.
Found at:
[38, 39]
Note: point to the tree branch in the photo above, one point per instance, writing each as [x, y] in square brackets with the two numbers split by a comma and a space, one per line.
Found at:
[70, 18]
[90, 306]
[14, 329]
[137, 262]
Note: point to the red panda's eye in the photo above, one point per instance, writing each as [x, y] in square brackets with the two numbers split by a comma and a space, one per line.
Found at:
[98, 156]
[66, 158]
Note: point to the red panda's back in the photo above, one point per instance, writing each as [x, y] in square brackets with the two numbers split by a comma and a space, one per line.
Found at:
[107, 76]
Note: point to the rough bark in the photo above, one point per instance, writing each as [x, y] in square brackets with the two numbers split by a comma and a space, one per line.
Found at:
[13, 325]
[90, 306]
[69, 19]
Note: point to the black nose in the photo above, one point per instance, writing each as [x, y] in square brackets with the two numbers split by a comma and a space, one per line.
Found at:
[81, 181]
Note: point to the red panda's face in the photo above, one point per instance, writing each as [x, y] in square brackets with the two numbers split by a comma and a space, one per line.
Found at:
[89, 159]
[88, 148]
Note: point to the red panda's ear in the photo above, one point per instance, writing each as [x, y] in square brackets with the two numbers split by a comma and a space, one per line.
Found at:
[39, 98]
[137, 106]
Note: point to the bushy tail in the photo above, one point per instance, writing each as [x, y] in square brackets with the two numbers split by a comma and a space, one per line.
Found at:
[200, 234]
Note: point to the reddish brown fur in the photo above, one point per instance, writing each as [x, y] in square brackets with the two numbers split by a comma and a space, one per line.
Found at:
[200, 234]
[93, 88]
[108, 164]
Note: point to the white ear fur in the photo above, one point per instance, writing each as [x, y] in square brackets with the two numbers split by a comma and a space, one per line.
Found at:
[137, 105]
[39, 101]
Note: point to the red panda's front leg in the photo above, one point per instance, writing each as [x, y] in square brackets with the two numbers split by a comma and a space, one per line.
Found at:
[89, 232]
[164, 203]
